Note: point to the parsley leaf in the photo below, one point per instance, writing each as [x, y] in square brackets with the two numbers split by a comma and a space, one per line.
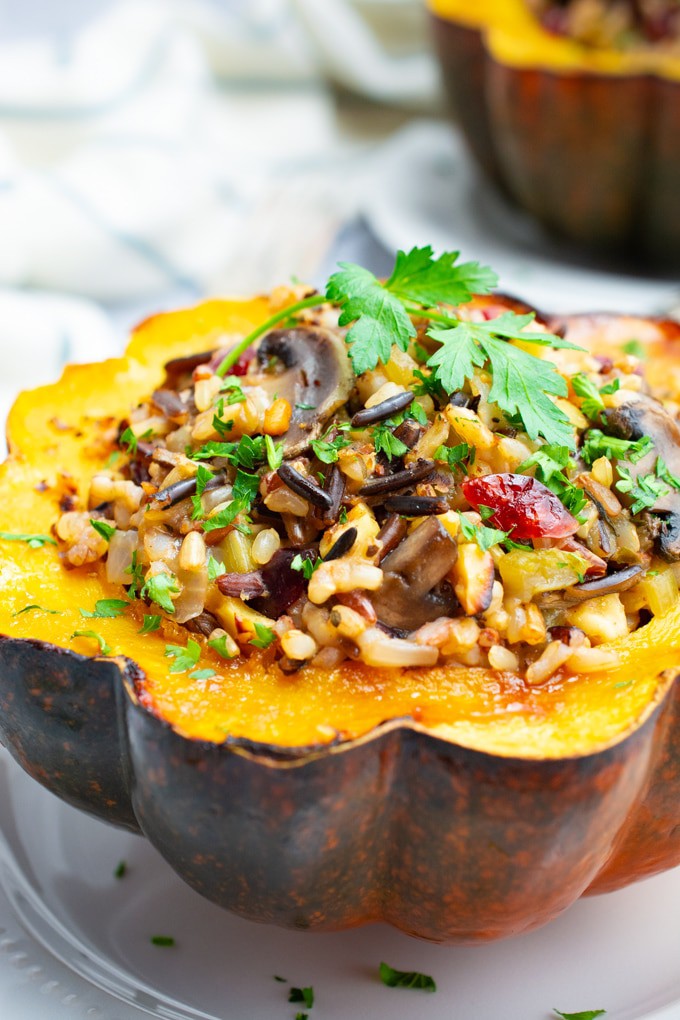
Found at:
[103, 528]
[166, 941]
[137, 576]
[33, 541]
[106, 609]
[484, 537]
[327, 449]
[121, 870]
[386, 442]
[635, 348]
[597, 444]
[185, 658]
[203, 476]
[589, 1014]
[305, 995]
[521, 383]
[644, 490]
[378, 318]
[224, 646]
[264, 636]
[215, 568]
[103, 647]
[662, 471]
[129, 439]
[306, 566]
[274, 453]
[150, 624]
[452, 455]
[406, 979]
[420, 278]
[550, 463]
[158, 588]
[225, 517]
[592, 404]
[35, 607]
[245, 488]
[202, 674]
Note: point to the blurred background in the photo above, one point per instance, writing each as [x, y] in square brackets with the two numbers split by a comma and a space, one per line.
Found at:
[156, 151]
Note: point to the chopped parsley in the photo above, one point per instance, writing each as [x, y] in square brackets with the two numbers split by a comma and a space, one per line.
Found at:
[485, 537]
[33, 541]
[592, 404]
[245, 488]
[274, 453]
[137, 576]
[305, 566]
[34, 608]
[662, 471]
[386, 442]
[203, 476]
[184, 658]
[406, 979]
[550, 464]
[264, 636]
[597, 444]
[165, 941]
[106, 609]
[232, 390]
[247, 453]
[305, 995]
[589, 1014]
[202, 674]
[103, 647]
[222, 646]
[103, 528]
[158, 589]
[129, 439]
[644, 490]
[452, 455]
[327, 449]
[215, 568]
[121, 870]
[226, 517]
[150, 624]
[306, 407]
[635, 348]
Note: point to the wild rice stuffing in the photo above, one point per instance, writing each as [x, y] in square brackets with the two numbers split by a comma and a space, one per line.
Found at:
[285, 502]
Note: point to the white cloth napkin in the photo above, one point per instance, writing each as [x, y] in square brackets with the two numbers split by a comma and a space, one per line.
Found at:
[148, 150]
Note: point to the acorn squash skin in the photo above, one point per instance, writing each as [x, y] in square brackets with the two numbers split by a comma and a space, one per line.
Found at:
[445, 841]
[555, 139]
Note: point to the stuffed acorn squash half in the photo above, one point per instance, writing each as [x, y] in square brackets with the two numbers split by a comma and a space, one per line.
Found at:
[359, 605]
[572, 107]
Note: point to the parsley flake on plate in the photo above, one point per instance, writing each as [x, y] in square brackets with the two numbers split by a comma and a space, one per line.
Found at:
[406, 979]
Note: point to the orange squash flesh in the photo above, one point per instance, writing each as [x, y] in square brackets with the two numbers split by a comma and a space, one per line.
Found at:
[60, 429]
[456, 804]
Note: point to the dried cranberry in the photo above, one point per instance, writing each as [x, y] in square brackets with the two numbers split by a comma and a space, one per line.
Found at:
[521, 505]
[240, 367]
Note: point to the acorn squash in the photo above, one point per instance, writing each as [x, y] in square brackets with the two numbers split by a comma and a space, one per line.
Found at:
[456, 804]
[586, 140]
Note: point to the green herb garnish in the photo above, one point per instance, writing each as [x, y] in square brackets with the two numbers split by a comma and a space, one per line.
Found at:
[103, 528]
[597, 444]
[485, 537]
[33, 541]
[306, 566]
[103, 647]
[221, 646]
[644, 490]
[121, 870]
[386, 442]
[406, 979]
[158, 589]
[452, 455]
[106, 609]
[150, 624]
[550, 464]
[184, 658]
[305, 995]
[136, 572]
[589, 1014]
[203, 476]
[166, 941]
[662, 471]
[34, 607]
[274, 453]
[635, 348]
[327, 450]
[215, 568]
[264, 636]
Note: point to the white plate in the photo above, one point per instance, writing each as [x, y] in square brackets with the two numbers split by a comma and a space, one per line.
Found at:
[423, 189]
[618, 952]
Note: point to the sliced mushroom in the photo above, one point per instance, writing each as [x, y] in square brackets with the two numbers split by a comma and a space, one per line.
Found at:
[610, 584]
[310, 369]
[407, 597]
[644, 416]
